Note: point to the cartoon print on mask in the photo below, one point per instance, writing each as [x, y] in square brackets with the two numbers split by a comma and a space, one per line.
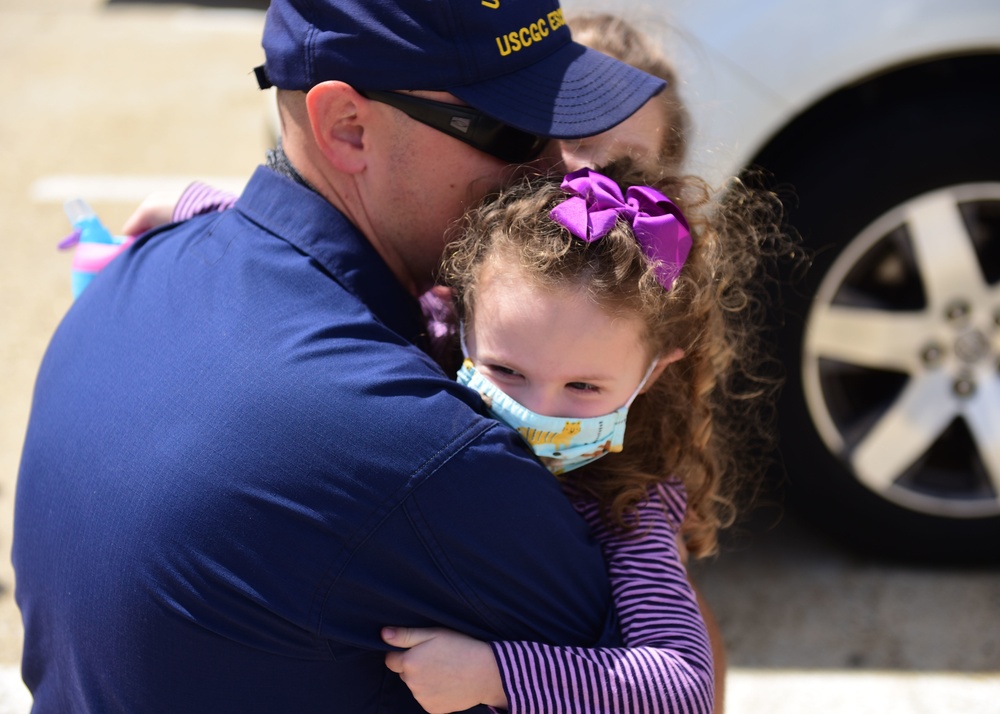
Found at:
[559, 440]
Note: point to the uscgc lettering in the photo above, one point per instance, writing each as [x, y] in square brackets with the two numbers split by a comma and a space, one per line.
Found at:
[526, 36]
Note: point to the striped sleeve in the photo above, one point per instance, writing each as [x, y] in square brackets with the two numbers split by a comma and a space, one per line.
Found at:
[199, 198]
[666, 664]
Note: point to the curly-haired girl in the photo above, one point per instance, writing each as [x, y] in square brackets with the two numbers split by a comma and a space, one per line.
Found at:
[584, 302]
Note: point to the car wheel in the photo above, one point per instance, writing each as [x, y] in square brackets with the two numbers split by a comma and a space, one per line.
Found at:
[890, 418]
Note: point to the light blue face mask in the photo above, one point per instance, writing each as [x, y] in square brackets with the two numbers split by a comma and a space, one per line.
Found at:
[562, 443]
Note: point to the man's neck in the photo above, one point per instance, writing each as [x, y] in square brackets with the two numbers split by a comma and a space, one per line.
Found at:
[278, 161]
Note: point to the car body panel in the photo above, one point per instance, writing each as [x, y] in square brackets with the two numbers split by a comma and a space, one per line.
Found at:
[748, 69]
[889, 334]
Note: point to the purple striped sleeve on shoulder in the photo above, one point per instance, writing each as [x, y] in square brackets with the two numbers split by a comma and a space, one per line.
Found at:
[200, 198]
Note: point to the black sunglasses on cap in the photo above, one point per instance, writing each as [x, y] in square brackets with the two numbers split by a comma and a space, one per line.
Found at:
[466, 124]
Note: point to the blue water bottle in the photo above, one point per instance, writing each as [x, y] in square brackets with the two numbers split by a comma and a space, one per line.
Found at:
[95, 246]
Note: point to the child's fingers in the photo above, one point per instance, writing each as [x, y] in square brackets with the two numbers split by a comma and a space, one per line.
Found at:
[408, 636]
[394, 661]
[156, 210]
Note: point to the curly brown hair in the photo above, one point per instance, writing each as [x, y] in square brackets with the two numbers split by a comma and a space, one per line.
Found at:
[704, 421]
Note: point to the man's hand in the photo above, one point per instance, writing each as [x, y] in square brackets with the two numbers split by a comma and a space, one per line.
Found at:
[446, 671]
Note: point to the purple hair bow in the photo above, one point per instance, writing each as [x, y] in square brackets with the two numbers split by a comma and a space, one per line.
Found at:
[595, 203]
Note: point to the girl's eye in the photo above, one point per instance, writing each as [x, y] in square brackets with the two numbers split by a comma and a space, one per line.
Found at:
[583, 387]
[505, 371]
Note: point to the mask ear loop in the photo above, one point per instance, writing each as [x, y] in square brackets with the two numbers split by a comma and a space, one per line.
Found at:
[642, 384]
[461, 339]
[622, 411]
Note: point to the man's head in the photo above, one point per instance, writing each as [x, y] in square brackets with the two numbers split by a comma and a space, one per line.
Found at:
[387, 162]
[512, 59]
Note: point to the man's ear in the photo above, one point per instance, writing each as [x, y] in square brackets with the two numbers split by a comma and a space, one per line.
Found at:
[336, 119]
[661, 364]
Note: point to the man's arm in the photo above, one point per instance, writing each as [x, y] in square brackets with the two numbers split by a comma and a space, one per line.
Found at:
[665, 666]
[486, 545]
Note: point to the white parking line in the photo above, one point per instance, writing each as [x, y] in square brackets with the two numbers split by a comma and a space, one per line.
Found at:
[233, 20]
[14, 696]
[754, 691]
[757, 691]
[120, 188]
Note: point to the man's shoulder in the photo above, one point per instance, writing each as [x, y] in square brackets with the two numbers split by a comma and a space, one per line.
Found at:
[404, 414]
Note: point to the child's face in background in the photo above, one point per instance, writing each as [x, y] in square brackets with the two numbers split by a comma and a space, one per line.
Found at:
[639, 137]
[555, 352]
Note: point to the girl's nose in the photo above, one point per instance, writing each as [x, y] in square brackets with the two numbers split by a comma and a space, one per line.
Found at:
[542, 401]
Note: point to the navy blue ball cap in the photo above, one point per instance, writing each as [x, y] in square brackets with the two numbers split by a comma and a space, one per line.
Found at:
[512, 59]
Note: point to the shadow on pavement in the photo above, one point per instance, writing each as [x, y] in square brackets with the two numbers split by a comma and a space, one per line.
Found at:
[787, 597]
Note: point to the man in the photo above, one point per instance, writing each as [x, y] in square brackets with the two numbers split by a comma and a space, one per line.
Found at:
[239, 465]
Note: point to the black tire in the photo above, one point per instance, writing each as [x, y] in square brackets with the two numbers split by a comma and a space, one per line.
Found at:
[890, 417]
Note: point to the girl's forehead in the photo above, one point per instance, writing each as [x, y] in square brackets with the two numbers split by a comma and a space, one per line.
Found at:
[510, 282]
[506, 288]
[550, 324]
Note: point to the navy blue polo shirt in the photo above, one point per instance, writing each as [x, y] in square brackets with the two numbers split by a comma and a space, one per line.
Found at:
[239, 466]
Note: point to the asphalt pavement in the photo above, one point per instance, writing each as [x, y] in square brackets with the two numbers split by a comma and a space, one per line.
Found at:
[110, 101]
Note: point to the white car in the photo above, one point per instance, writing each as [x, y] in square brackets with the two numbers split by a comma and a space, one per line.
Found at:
[880, 123]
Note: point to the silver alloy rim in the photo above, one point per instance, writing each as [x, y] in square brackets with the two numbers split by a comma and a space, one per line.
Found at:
[943, 357]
